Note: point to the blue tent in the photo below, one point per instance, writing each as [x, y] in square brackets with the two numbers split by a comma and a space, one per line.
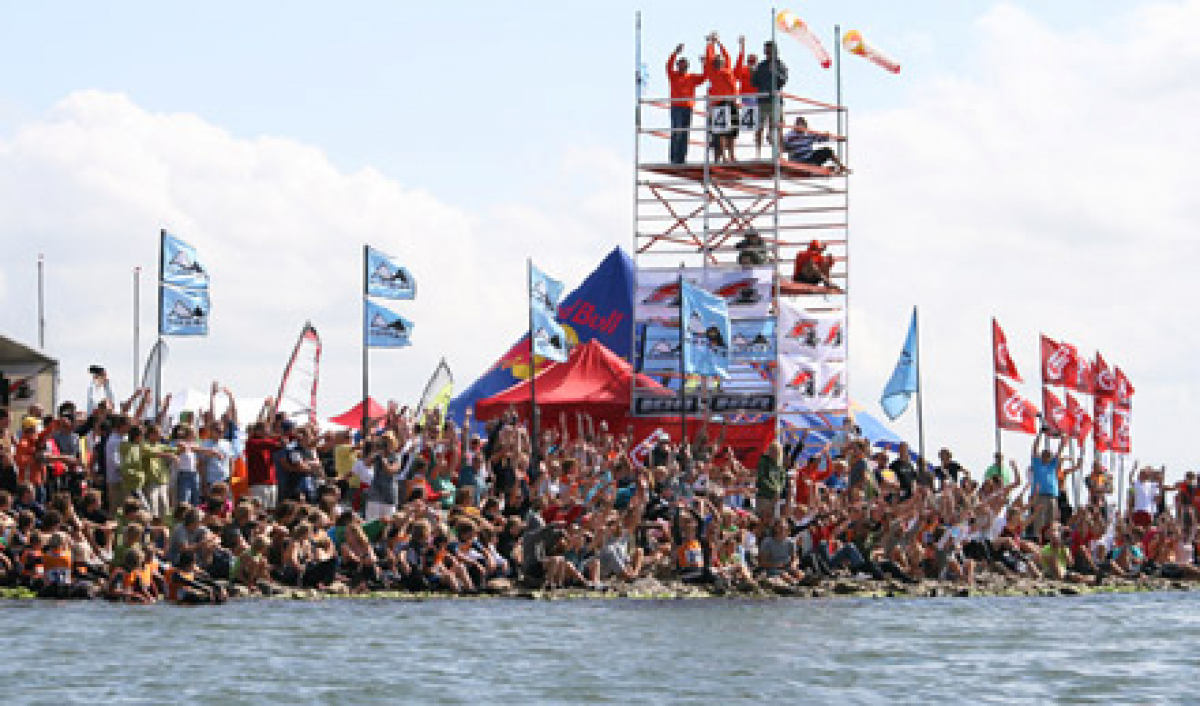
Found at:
[599, 309]
[823, 427]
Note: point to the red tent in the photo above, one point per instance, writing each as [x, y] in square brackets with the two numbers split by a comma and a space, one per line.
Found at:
[353, 417]
[593, 380]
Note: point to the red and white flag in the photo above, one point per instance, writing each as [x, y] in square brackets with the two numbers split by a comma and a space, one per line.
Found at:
[1081, 421]
[1014, 412]
[1124, 390]
[1104, 382]
[1122, 439]
[1058, 362]
[1057, 416]
[1001, 359]
[1082, 381]
[1102, 431]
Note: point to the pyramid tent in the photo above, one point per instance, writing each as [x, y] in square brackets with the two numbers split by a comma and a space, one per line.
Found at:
[353, 417]
[601, 309]
[594, 380]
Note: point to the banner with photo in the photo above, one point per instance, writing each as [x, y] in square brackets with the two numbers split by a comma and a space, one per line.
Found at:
[811, 386]
[545, 294]
[752, 341]
[707, 333]
[184, 312]
[812, 335]
[746, 292]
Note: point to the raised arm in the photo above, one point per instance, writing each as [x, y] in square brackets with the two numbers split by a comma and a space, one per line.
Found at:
[671, 73]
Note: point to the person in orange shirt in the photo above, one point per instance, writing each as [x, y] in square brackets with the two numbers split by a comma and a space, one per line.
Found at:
[25, 458]
[683, 100]
[743, 71]
[813, 266]
[722, 92]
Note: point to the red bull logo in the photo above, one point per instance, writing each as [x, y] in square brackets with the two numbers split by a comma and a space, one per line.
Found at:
[583, 313]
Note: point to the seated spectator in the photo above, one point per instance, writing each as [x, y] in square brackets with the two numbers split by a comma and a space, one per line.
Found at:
[801, 146]
[752, 250]
[813, 266]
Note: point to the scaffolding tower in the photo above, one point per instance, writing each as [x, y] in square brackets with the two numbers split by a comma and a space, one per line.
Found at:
[730, 225]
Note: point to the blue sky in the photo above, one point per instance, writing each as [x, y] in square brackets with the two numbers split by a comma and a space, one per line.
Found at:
[399, 85]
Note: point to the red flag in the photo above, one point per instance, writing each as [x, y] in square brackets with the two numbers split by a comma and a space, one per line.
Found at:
[1102, 430]
[1124, 390]
[1081, 422]
[1014, 412]
[1082, 381]
[1058, 362]
[1001, 360]
[1104, 383]
[1122, 440]
[1057, 417]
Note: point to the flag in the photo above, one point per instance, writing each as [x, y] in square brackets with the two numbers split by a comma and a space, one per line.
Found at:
[1014, 412]
[438, 391]
[549, 338]
[1104, 383]
[183, 312]
[706, 334]
[386, 279]
[1058, 362]
[1102, 429]
[903, 383]
[383, 328]
[1057, 415]
[1002, 360]
[1081, 421]
[1124, 396]
[180, 268]
[1082, 380]
[1122, 441]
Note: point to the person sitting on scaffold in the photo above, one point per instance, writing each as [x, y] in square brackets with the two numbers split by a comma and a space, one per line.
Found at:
[813, 267]
[801, 146]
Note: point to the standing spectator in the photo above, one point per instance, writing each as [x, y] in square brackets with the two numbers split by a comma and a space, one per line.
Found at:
[260, 465]
[770, 76]
[1043, 486]
[722, 93]
[155, 457]
[743, 71]
[769, 486]
[683, 100]
[1145, 495]
[8, 450]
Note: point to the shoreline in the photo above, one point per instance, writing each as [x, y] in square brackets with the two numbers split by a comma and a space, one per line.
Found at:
[650, 589]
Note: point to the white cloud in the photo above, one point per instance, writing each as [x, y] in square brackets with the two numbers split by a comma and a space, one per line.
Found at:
[1052, 190]
[281, 230]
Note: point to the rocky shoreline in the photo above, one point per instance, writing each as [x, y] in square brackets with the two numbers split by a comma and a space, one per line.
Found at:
[652, 589]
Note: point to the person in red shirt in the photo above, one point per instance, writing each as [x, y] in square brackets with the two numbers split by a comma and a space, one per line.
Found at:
[743, 71]
[683, 100]
[260, 465]
[813, 266]
[722, 93]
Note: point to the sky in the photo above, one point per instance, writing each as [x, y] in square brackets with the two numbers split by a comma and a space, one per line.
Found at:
[1031, 162]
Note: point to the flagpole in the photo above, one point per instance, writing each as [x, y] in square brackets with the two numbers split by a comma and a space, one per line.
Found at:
[995, 407]
[366, 368]
[682, 368]
[533, 410]
[162, 244]
[41, 269]
[920, 390]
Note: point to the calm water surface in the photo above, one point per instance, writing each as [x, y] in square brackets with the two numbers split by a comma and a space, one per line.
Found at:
[1110, 649]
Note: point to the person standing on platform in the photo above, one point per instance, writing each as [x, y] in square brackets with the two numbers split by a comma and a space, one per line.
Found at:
[722, 93]
[683, 100]
[770, 76]
[743, 71]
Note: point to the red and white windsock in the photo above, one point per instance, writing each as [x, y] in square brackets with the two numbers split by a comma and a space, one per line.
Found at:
[856, 44]
[792, 25]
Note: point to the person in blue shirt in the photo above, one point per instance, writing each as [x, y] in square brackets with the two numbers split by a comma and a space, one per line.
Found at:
[800, 144]
[1043, 483]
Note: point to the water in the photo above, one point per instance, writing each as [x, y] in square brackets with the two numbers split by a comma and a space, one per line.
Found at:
[1111, 649]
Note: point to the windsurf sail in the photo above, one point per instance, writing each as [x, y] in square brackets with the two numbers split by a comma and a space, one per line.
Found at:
[438, 391]
[297, 396]
[152, 375]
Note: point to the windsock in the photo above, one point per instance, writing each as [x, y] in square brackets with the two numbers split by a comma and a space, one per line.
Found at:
[855, 44]
[790, 24]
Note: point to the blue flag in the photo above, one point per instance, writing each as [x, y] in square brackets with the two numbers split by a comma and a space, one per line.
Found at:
[705, 317]
[180, 268]
[383, 328]
[184, 312]
[903, 383]
[549, 339]
[388, 280]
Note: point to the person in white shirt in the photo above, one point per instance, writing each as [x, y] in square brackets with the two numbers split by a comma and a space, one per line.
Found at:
[1144, 495]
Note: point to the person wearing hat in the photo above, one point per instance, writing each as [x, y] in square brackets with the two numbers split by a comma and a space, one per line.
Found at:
[813, 266]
